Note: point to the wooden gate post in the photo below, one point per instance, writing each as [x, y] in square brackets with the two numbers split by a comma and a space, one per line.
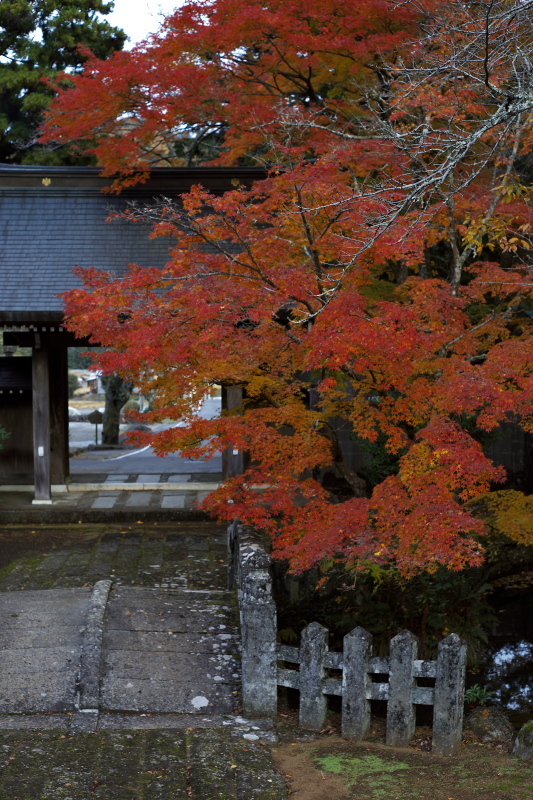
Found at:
[41, 424]
[232, 460]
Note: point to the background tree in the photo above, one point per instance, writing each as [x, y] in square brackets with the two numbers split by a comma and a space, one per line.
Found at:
[80, 357]
[40, 38]
[73, 384]
[380, 273]
[117, 393]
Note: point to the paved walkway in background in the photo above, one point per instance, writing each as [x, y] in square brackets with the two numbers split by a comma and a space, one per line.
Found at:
[123, 481]
[153, 714]
[116, 497]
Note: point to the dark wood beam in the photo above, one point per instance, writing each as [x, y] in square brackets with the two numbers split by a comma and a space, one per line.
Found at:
[57, 339]
[233, 460]
[59, 448]
[41, 423]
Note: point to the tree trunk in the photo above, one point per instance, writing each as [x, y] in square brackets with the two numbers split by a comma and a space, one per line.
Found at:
[117, 394]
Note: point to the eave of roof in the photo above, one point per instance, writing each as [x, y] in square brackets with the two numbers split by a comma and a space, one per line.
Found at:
[174, 180]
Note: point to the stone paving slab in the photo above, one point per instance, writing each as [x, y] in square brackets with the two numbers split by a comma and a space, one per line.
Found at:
[147, 610]
[186, 680]
[208, 764]
[151, 641]
[107, 501]
[59, 599]
[66, 616]
[33, 677]
[157, 695]
[37, 659]
[139, 500]
[189, 555]
[135, 664]
[38, 691]
[173, 501]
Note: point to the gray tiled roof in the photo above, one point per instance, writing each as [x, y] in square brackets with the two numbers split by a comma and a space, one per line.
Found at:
[45, 236]
[50, 225]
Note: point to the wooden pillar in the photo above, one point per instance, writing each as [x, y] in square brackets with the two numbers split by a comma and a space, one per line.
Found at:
[233, 460]
[41, 423]
[58, 375]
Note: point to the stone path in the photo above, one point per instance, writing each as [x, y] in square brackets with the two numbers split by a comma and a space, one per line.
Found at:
[41, 635]
[124, 490]
[179, 555]
[108, 500]
[120, 670]
[171, 651]
[211, 764]
[158, 651]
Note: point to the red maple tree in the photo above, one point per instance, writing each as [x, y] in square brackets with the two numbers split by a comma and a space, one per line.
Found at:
[376, 280]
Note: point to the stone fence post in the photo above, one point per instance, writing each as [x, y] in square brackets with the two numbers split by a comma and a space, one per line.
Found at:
[251, 573]
[357, 652]
[313, 703]
[449, 696]
[401, 719]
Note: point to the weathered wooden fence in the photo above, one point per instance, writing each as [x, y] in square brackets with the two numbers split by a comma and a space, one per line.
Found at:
[364, 677]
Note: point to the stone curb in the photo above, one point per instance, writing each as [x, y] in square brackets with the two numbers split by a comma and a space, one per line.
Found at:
[47, 515]
[143, 487]
[197, 486]
[89, 720]
[85, 720]
[91, 652]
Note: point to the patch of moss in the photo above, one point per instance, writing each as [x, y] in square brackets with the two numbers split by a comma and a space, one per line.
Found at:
[5, 571]
[512, 778]
[371, 770]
